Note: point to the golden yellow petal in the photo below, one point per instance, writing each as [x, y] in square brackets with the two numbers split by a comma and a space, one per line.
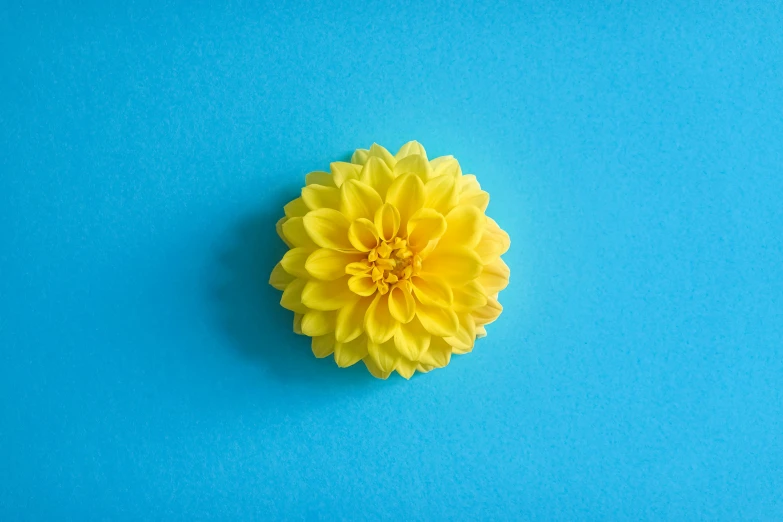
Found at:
[363, 235]
[328, 229]
[378, 175]
[279, 230]
[319, 196]
[327, 295]
[387, 221]
[425, 225]
[465, 224]
[456, 266]
[432, 290]
[350, 319]
[323, 345]
[358, 200]
[446, 166]
[494, 276]
[480, 332]
[342, 172]
[292, 297]
[279, 278]
[494, 242]
[298, 323]
[411, 340]
[463, 339]
[407, 195]
[441, 194]
[374, 369]
[381, 152]
[294, 262]
[401, 305]
[468, 183]
[469, 297]
[317, 322]
[414, 164]
[295, 234]
[295, 208]
[405, 367]
[360, 156]
[478, 199]
[378, 322]
[348, 354]
[383, 355]
[328, 265]
[442, 322]
[362, 284]
[412, 147]
[319, 177]
[487, 313]
[438, 353]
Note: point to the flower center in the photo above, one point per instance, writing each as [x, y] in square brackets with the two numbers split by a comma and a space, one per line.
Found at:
[392, 263]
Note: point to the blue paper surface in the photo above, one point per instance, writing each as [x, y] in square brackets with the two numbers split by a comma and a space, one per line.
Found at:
[633, 151]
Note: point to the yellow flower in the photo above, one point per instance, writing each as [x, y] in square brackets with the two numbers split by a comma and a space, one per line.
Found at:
[392, 261]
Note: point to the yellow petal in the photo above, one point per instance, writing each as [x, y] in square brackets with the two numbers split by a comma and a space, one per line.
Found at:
[342, 172]
[327, 295]
[441, 194]
[412, 147]
[319, 178]
[362, 284]
[279, 229]
[438, 353]
[405, 367]
[298, 323]
[358, 200]
[457, 266]
[328, 229]
[407, 195]
[381, 152]
[328, 265]
[480, 332]
[363, 235]
[319, 196]
[424, 368]
[494, 242]
[358, 268]
[377, 174]
[316, 322]
[350, 319]
[412, 340]
[401, 305]
[383, 355]
[296, 208]
[494, 276]
[292, 297]
[469, 297]
[487, 313]
[432, 290]
[323, 345]
[446, 166]
[378, 322]
[424, 226]
[468, 183]
[387, 221]
[465, 224]
[478, 199]
[348, 354]
[374, 369]
[295, 234]
[279, 278]
[294, 262]
[438, 321]
[414, 164]
[360, 156]
[463, 339]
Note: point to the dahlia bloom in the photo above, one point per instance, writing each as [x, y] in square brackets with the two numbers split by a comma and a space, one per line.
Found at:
[392, 261]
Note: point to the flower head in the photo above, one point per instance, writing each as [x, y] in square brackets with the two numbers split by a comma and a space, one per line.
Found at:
[392, 261]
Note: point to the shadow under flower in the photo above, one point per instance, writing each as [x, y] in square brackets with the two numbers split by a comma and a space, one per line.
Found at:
[249, 310]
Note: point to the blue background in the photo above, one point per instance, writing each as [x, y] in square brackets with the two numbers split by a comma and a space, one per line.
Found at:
[633, 152]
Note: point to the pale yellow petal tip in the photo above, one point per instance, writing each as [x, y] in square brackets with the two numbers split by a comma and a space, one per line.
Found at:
[392, 261]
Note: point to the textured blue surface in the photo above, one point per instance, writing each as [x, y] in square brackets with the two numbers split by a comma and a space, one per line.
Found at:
[634, 154]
